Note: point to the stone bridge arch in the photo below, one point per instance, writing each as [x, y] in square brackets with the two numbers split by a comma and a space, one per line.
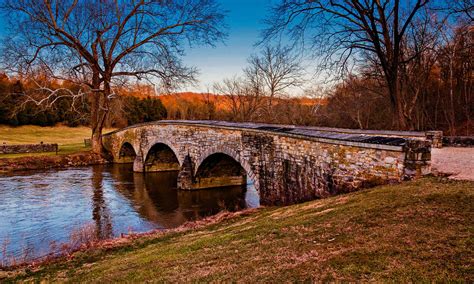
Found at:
[222, 149]
[124, 153]
[164, 141]
[165, 144]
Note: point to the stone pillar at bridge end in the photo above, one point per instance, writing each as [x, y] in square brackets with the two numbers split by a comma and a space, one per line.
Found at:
[436, 138]
[417, 158]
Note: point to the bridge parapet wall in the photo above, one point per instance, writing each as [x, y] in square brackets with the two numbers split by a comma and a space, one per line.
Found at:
[434, 136]
[286, 168]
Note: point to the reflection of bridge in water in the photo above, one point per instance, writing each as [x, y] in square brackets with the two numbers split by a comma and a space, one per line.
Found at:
[156, 198]
[287, 164]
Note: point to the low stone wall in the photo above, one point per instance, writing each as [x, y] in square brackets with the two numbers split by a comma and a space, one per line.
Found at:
[28, 148]
[458, 141]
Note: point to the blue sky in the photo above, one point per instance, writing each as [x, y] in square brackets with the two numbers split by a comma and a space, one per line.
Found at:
[244, 19]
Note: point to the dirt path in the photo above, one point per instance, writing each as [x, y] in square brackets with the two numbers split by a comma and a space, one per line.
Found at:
[459, 162]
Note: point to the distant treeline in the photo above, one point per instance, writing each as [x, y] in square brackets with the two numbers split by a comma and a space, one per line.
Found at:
[445, 103]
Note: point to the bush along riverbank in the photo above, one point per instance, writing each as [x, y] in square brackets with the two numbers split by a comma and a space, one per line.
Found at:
[26, 163]
[415, 231]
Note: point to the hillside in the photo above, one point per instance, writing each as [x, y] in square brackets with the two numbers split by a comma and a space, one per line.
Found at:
[173, 101]
[415, 231]
[188, 105]
[222, 102]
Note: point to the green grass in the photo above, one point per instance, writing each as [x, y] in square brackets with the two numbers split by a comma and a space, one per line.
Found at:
[417, 231]
[69, 139]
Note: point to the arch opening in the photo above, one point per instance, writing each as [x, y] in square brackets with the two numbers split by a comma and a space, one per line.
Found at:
[126, 154]
[161, 158]
[220, 170]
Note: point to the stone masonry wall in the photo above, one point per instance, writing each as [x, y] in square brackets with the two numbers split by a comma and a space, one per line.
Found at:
[285, 169]
[28, 148]
[458, 141]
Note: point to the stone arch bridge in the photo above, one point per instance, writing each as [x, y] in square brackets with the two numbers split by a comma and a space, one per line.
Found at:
[287, 164]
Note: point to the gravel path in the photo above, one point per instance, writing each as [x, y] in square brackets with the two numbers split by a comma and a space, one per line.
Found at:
[459, 162]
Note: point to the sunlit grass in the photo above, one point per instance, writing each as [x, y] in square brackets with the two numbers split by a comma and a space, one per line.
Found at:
[419, 231]
[69, 139]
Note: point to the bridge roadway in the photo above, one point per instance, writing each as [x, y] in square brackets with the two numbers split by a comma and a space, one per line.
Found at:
[286, 163]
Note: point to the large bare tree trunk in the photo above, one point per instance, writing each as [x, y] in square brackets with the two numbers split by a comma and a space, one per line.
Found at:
[396, 99]
[401, 119]
[99, 110]
[96, 140]
[97, 124]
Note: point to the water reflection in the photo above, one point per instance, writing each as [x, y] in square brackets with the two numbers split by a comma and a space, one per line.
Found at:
[100, 212]
[156, 198]
[37, 209]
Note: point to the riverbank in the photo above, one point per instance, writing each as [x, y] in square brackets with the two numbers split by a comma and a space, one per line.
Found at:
[26, 163]
[415, 231]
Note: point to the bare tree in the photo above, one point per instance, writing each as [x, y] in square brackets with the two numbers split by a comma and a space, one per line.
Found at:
[98, 44]
[456, 66]
[343, 33]
[210, 104]
[245, 97]
[465, 7]
[276, 69]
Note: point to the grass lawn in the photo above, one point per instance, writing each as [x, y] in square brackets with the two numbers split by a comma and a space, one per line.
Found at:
[69, 139]
[415, 231]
